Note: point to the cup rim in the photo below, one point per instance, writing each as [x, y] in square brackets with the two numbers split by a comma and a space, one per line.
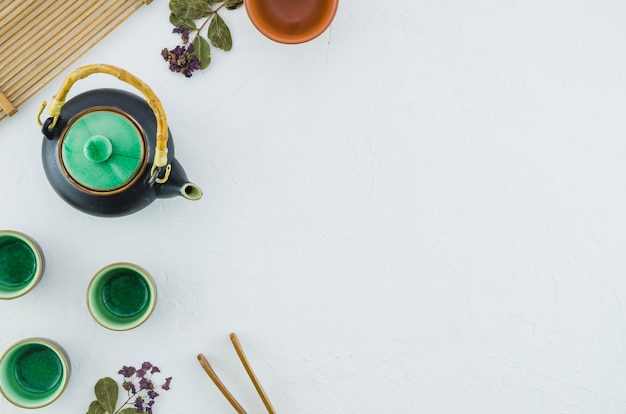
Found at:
[268, 31]
[61, 354]
[136, 322]
[36, 249]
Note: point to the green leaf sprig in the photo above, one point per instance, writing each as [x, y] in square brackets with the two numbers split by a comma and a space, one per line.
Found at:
[192, 16]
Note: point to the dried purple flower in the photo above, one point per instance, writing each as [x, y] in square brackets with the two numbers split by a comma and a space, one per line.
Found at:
[154, 370]
[184, 33]
[181, 59]
[145, 384]
[127, 371]
[139, 404]
[166, 386]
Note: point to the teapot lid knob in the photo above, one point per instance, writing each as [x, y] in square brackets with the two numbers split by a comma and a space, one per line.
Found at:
[98, 148]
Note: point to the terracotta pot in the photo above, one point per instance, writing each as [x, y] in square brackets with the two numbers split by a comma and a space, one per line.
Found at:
[291, 21]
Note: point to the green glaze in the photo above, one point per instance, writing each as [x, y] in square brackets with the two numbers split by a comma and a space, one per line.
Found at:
[121, 296]
[33, 373]
[17, 264]
[103, 150]
[21, 264]
[125, 294]
[38, 370]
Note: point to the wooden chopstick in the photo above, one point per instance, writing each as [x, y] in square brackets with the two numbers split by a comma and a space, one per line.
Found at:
[251, 374]
[246, 364]
[220, 386]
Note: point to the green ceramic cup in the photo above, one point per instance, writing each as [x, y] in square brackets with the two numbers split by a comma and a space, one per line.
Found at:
[121, 296]
[34, 373]
[21, 264]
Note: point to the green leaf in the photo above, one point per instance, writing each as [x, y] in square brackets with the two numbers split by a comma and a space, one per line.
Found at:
[95, 408]
[214, 1]
[106, 393]
[130, 410]
[202, 51]
[179, 21]
[190, 9]
[233, 4]
[219, 34]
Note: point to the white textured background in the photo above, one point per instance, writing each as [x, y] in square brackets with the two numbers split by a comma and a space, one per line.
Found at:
[423, 210]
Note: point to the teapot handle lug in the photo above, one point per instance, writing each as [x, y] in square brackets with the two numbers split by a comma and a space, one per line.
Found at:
[46, 130]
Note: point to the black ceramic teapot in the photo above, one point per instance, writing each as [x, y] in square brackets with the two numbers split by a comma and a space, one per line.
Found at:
[98, 145]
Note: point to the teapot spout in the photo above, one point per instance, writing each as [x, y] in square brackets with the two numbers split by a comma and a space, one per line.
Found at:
[191, 191]
[178, 185]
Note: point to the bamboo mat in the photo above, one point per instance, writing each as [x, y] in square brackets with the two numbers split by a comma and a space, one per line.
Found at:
[41, 38]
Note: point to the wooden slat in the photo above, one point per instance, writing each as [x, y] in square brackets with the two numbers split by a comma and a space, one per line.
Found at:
[59, 32]
[73, 47]
[6, 105]
[20, 19]
[39, 39]
[38, 29]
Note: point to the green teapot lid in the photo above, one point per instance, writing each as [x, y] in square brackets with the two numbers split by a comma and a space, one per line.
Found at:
[102, 150]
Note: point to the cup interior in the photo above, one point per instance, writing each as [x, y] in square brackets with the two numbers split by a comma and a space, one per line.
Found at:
[291, 21]
[121, 296]
[33, 373]
[21, 264]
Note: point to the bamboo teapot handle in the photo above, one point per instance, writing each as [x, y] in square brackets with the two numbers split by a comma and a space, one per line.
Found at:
[160, 154]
